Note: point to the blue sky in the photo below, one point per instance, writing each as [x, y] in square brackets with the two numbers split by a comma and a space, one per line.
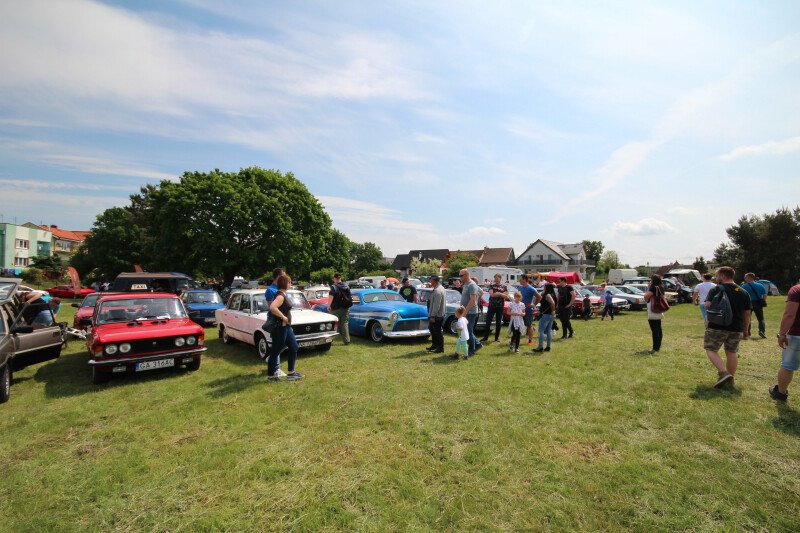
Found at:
[651, 126]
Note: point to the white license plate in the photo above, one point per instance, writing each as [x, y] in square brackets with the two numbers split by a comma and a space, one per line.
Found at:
[317, 342]
[150, 365]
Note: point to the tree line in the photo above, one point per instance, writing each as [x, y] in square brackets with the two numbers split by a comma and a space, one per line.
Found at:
[223, 224]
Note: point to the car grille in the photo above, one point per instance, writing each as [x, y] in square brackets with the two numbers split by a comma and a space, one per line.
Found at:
[305, 329]
[410, 325]
[152, 345]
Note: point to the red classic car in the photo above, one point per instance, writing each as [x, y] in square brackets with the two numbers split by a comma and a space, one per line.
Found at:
[86, 308]
[68, 291]
[136, 332]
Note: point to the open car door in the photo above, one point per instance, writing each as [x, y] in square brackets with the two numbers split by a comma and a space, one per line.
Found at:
[32, 334]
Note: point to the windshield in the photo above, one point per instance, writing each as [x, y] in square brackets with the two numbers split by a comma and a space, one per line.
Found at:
[90, 300]
[5, 289]
[139, 309]
[318, 295]
[297, 300]
[382, 296]
[630, 290]
[203, 298]
[585, 292]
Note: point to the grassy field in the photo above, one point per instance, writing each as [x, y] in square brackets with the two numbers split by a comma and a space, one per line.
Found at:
[595, 435]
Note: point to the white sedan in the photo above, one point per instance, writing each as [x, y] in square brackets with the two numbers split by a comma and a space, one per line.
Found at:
[246, 311]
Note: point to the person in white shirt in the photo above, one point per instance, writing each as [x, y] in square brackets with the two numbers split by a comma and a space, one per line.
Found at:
[462, 326]
[700, 294]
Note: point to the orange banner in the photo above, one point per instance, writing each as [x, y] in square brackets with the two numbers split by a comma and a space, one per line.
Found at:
[76, 281]
[137, 268]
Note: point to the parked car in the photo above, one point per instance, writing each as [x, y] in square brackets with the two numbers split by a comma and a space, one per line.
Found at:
[68, 291]
[671, 296]
[173, 282]
[202, 304]
[684, 292]
[247, 310]
[636, 280]
[596, 302]
[138, 332]
[28, 334]
[380, 314]
[635, 301]
[633, 291]
[86, 309]
[317, 294]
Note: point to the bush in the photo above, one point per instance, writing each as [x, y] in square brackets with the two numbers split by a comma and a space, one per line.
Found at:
[323, 275]
[33, 275]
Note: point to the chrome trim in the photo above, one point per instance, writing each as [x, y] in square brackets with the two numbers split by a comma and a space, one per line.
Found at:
[311, 336]
[401, 334]
[128, 360]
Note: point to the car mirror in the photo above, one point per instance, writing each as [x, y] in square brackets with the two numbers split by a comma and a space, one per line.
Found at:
[22, 329]
[76, 306]
[86, 321]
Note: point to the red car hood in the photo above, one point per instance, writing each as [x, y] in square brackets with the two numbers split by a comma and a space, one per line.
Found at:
[151, 329]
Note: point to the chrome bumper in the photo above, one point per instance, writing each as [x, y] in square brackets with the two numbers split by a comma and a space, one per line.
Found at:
[129, 360]
[406, 334]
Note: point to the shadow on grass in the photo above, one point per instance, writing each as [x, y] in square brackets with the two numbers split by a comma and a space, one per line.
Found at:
[645, 352]
[233, 384]
[705, 391]
[444, 359]
[70, 375]
[788, 420]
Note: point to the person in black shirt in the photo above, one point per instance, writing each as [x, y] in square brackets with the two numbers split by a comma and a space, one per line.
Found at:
[718, 335]
[498, 294]
[566, 298]
[408, 291]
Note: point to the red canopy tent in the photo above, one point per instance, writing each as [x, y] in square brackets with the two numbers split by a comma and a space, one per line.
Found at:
[572, 277]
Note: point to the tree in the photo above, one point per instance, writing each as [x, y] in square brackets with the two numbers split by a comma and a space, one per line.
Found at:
[768, 245]
[594, 250]
[459, 261]
[50, 264]
[428, 267]
[336, 254]
[365, 257]
[609, 260]
[700, 265]
[323, 275]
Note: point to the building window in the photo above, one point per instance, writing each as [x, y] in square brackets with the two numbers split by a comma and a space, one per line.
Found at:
[23, 244]
[21, 261]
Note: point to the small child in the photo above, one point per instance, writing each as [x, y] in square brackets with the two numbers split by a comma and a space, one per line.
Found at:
[517, 325]
[463, 333]
[587, 308]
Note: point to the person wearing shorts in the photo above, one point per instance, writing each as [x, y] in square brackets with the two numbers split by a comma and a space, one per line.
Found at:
[530, 297]
[718, 336]
[789, 342]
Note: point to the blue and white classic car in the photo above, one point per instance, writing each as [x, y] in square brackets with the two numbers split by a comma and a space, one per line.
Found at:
[453, 298]
[380, 314]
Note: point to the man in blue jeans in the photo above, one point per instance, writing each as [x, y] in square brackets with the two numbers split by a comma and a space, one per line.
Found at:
[530, 297]
[470, 299]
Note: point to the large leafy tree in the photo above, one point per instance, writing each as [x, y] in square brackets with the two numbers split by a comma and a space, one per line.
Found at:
[594, 250]
[427, 267]
[365, 257]
[336, 254]
[459, 261]
[768, 245]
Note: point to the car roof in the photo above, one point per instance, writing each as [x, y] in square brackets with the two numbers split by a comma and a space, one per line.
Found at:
[260, 291]
[124, 275]
[199, 290]
[132, 295]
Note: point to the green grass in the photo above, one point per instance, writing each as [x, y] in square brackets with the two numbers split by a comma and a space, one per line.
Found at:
[594, 435]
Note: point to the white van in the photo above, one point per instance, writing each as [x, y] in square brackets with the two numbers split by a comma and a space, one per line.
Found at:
[375, 281]
[617, 275]
[507, 274]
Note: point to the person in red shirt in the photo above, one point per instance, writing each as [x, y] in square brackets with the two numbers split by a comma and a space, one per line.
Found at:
[789, 342]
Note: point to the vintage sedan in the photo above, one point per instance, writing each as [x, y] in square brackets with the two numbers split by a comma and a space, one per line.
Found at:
[380, 314]
[132, 333]
[247, 310]
[86, 309]
[202, 305]
[635, 297]
[28, 333]
[68, 291]
[671, 296]
[318, 294]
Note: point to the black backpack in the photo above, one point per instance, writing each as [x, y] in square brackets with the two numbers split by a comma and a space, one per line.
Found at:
[720, 312]
[343, 296]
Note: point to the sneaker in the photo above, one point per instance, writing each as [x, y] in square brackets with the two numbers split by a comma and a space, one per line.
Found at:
[777, 395]
[279, 373]
[430, 349]
[539, 349]
[724, 378]
[465, 357]
[455, 355]
[547, 349]
[762, 334]
[516, 350]
[273, 379]
[294, 376]
[570, 335]
[478, 347]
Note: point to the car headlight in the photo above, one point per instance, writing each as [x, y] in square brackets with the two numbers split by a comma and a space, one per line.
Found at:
[190, 341]
[393, 317]
[180, 341]
[111, 349]
[125, 347]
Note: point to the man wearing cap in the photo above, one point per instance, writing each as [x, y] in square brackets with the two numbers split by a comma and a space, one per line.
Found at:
[408, 291]
[437, 308]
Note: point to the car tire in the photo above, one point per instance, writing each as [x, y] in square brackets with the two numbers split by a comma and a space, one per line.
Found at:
[194, 365]
[99, 377]
[5, 384]
[262, 347]
[326, 347]
[573, 312]
[375, 332]
[223, 334]
[450, 326]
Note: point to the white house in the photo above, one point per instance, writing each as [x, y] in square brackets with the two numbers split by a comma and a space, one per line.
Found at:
[550, 256]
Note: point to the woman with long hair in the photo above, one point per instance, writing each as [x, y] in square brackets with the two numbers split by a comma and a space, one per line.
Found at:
[547, 312]
[655, 291]
[281, 310]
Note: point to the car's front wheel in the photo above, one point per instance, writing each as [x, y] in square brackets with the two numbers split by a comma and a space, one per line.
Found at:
[98, 376]
[223, 333]
[450, 326]
[262, 347]
[325, 347]
[5, 384]
[376, 332]
[194, 365]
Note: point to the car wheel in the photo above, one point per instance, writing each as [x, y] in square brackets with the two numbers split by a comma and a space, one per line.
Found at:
[450, 326]
[223, 334]
[573, 312]
[99, 377]
[376, 332]
[5, 384]
[326, 347]
[194, 365]
[262, 347]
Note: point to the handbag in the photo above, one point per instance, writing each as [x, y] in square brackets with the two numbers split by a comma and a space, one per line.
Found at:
[659, 302]
[269, 325]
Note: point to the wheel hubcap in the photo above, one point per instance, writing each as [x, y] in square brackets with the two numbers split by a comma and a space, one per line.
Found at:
[262, 348]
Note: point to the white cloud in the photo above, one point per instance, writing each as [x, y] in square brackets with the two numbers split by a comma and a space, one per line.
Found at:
[786, 146]
[368, 217]
[39, 184]
[483, 231]
[646, 226]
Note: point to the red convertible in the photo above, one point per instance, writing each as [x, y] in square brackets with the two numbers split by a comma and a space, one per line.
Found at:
[133, 333]
[68, 291]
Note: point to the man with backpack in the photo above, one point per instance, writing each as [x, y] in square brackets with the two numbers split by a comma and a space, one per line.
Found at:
[340, 300]
[728, 311]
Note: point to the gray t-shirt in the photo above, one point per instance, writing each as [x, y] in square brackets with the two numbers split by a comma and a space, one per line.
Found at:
[468, 290]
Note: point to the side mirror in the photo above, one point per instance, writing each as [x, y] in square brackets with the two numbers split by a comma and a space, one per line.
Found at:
[76, 306]
[22, 329]
[86, 321]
